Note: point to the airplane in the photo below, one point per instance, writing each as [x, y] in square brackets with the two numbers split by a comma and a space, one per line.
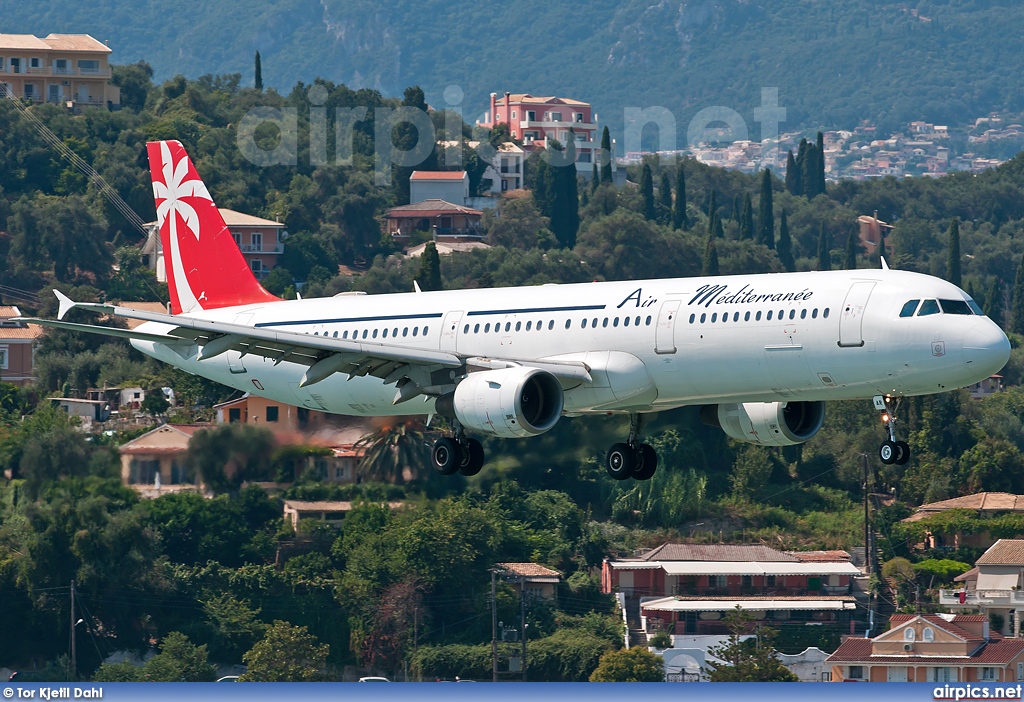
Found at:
[760, 354]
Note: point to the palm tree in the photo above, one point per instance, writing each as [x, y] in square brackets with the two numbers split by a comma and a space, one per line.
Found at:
[397, 452]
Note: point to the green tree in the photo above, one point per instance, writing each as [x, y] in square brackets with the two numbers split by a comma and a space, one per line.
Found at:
[820, 175]
[709, 265]
[766, 213]
[135, 81]
[994, 302]
[606, 156]
[179, 660]
[664, 198]
[132, 281]
[647, 191]
[824, 250]
[784, 248]
[799, 185]
[1017, 303]
[398, 452]
[953, 252]
[229, 455]
[747, 231]
[119, 672]
[595, 178]
[565, 218]
[852, 245]
[679, 218]
[286, 654]
[429, 276]
[635, 664]
[518, 224]
[792, 177]
[259, 73]
[748, 660]
[155, 402]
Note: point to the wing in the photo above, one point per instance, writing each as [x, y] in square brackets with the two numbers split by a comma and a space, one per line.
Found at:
[415, 371]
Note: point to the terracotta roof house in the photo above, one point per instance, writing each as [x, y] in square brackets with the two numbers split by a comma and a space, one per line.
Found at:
[437, 216]
[72, 70]
[983, 504]
[17, 347]
[686, 589]
[994, 587]
[931, 648]
[154, 463]
[536, 581]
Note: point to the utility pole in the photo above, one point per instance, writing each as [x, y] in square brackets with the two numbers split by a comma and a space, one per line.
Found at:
[74, 658]
[494, 626]
[522, 618]
[867, 520]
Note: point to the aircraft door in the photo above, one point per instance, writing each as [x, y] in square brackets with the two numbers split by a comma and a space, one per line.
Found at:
[450, 331]
[664, 334]
[851, 318]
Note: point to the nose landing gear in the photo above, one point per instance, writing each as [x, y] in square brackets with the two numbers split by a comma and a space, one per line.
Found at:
[891, 450]
[632, 459]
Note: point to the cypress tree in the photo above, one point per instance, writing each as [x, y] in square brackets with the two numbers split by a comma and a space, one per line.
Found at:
[595, 179]
[563, 196]
[1017, 304]
[737, 209]
[852, 244]
[810, 172]
[824, 253]
[259, 72]
[710, 263]
[798, 172]
[429, 276]
[953, 251]
[994, 302]
[821, 162]
[664, 196]
[647, 191]
[747, 225]
[606, 156]
[679, 219]
[544, 187]
[766, 212]
[792, 177]
[785, 246]
[712, 210]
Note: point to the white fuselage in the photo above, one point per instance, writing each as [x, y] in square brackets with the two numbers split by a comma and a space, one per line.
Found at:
[650, 345]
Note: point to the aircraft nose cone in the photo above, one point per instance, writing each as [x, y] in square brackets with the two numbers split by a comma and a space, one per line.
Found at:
[986, 347]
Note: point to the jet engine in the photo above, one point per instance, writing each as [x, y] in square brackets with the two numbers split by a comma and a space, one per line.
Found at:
[767, 423]
[509, 403]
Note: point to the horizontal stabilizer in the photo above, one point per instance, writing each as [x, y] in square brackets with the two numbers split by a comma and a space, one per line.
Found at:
[106, 331]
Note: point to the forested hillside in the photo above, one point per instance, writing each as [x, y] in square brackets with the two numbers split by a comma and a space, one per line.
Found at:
[206, 568]
[835, 63]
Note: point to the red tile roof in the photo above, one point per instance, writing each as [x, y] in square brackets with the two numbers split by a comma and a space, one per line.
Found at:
[717, 552]
[529, 570]
[997, 652]
[437, 175]
[430, 208]
[936, 620]
[1003, 552]
[820, 556]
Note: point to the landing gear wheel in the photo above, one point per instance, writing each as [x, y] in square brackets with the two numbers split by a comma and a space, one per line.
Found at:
[472, 458]
[446, 456]
[646, 463]
[902, 453]
[620, 461]
[888, 452]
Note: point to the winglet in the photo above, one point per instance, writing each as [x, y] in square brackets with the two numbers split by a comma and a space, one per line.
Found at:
[65, 303]
[416, 285]
[885, 266]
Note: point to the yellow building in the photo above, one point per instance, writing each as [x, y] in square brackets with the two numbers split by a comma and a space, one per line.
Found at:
[66, 69]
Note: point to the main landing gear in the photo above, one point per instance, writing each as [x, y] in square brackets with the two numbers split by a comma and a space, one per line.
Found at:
[632, 460]
[891, 451]
[457, 454]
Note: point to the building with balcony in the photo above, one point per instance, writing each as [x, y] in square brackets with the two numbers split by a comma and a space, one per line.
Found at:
[65, 69]
[261, 242]
[994, 588]
[534, 120]
[437, 217]
[687, 589]
[931, 648]
[451, 186]
[17, 347]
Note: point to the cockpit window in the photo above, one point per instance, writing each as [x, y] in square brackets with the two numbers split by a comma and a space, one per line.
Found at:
[908, 309]
[928, 307]
[955, 307]
[974, 306]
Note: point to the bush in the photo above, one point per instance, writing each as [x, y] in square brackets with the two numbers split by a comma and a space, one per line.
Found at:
[629, 665]
[660, 640]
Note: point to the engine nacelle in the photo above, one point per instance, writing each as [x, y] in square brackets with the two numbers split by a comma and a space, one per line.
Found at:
[767, 423]
[510, 403]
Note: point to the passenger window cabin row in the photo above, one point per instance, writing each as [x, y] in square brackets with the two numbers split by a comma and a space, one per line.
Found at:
[757, 316]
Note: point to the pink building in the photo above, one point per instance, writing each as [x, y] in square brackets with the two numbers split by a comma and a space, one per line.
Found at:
[534, 120]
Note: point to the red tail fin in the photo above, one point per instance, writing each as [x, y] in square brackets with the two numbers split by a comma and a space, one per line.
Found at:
[205, 269]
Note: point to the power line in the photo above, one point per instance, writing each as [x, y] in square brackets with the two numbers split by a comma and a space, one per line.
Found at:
[75, 160]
